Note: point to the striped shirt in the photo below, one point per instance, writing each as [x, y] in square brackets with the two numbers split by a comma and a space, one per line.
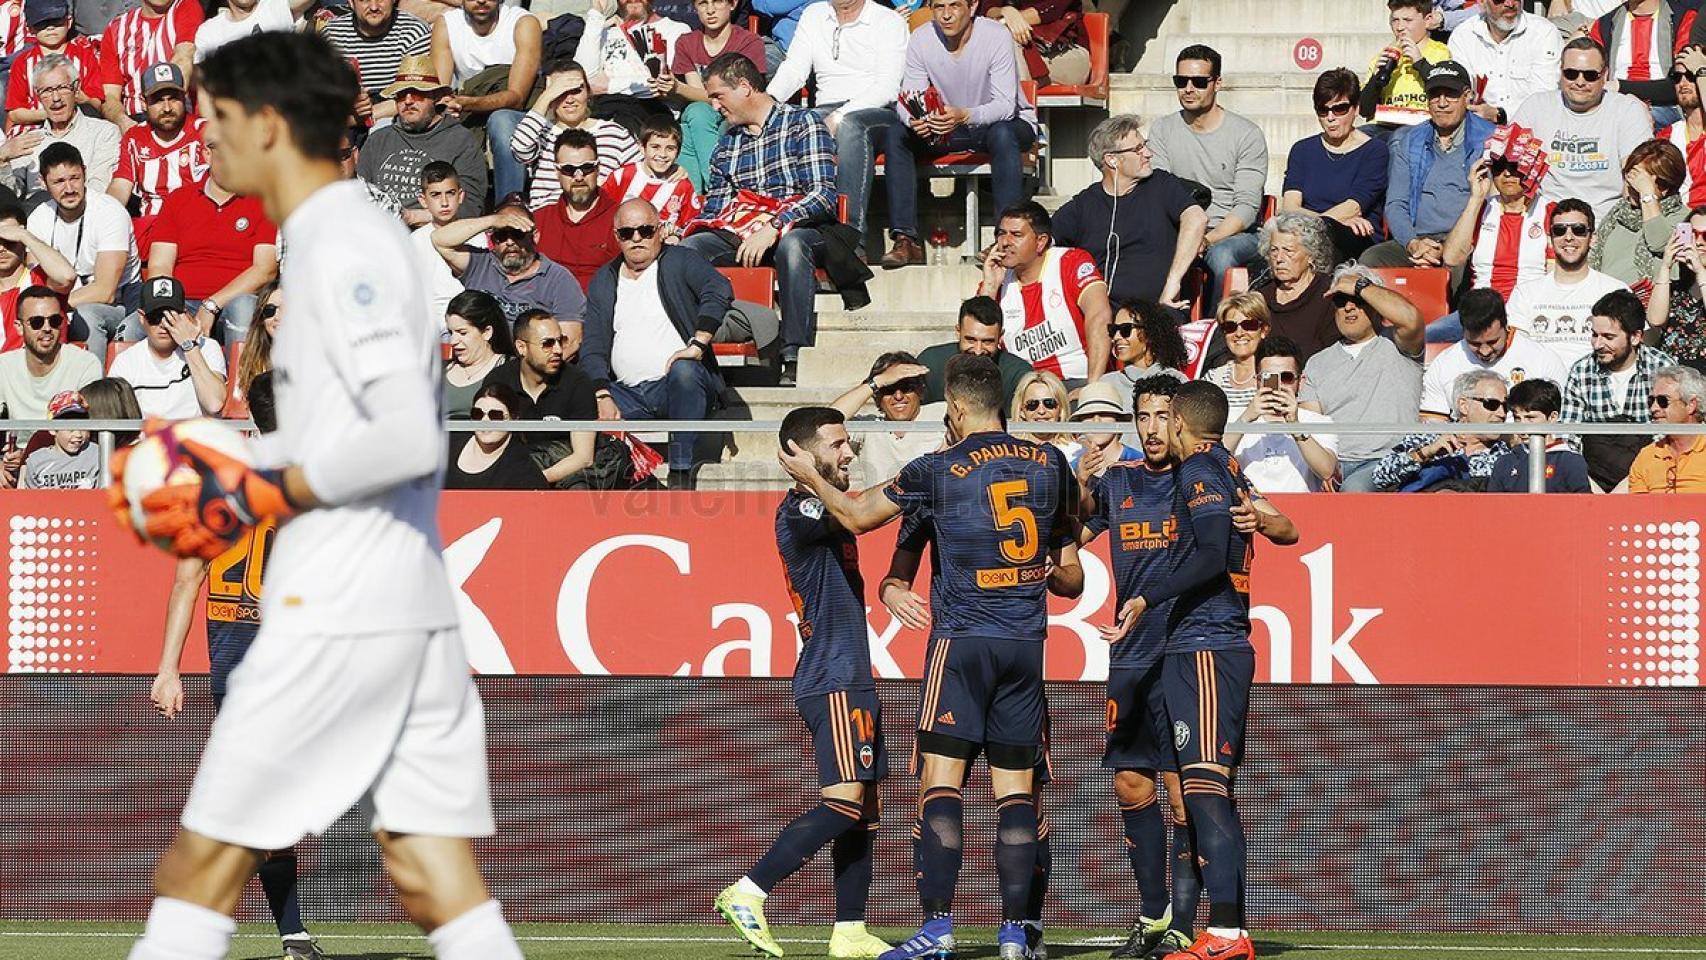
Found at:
[377, 58]
[21, 87]
[134, 41]
[534, 147]
[791, 155]
[14, 32]
[674, 199]
[158, 169]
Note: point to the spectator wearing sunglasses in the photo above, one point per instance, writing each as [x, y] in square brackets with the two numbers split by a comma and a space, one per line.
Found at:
[657, 362]
[1340, 174]
[896, 382]
[1488, 343]
[256, 355]
[1686, 133]
[575, 229]
[177, 371]
[1221, 151]
[1641, 38]
[1244, 323]
[25, 261]
[511, 269]
[1395, 95]
[565, 104]
[46, 365]
[1146, 343]
[1510, 54]
[1427, 182]
[492, 459]
[1674, 463]
[978, 332]
[1421, 461]
[1554, 308]
[1041, 398]
[1632, 238]
[1588, 131]
[1500, 235]
[1539, 401]
[1278, 462]
[547, 387]
[1612, 384]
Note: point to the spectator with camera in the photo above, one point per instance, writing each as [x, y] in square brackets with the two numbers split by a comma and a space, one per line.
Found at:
[1422, 461]
[1365, 377]
[1587, 129]
[1538, 401]
[1395, 96]
[1675, 462]
[1340, 174]
[1611, 385]
[1279, 462]
[422, 132]
[1676, 314]
[1510, 54]
[490, 53]
[1554, 308]
[1221, 151]
[896, 383]
[565, 104]
[177, 371]
[93, 232]
[47, 365]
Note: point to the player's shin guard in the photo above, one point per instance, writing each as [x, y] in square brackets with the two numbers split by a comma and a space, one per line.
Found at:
[278, 882]
[1015, 852]
[802, 839]
[1219, 843]
[851, 853]
[1040, 874]
[1146, 847]
[180, 930]
[1187, 881]
[479, 934]
[938, 853]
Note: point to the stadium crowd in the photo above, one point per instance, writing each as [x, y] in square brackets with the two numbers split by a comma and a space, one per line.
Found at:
[573, 174]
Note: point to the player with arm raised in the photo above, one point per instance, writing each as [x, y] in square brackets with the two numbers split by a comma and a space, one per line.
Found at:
[1135, 501]
[233, 618]
[356, 687]
[1209, 664]
[1003, 511]
[836, 697]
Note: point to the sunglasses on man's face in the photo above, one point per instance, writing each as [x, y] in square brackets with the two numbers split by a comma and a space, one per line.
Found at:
[1505, 167]
[1591, 76]
[1679, 74]
[1490, 404]
[909, 385]
[481, 413]
[1250, 324]
[1570, 230]
[1334, 109]
[1659, 400]
[1181, 81]
[154, 319]
[578, 170]
[54, 320]
[1041, 403]
[644, 231]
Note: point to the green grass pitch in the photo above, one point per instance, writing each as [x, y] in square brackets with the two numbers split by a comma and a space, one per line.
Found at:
[23, 940]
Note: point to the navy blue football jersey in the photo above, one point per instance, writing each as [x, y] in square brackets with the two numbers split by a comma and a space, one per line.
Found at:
[999, 505]
[820, 561]
[1135, 502]
[1216, 615]
[234, 601]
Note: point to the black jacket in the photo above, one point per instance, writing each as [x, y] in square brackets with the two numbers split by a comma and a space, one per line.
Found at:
[695, 297]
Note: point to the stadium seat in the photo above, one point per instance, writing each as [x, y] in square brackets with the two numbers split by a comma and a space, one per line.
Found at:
[1093, 92]
[1235, 280]
[117, 347]
[1426, 287]
[754, 285]
[1270, 206]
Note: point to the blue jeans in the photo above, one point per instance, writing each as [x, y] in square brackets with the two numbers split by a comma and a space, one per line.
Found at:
[1447, 329]
[855, 159]
[234, 319]
[1005, 142]
[1358, 476]
[508, 175]
[795, 258]
[1665, 116]
[686, 392]
[97, 324]
[1238, 250]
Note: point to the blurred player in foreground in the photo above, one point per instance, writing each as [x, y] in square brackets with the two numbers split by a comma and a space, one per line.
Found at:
[1136, 501]
[357, 686]
[1209, 663]
[233, 618]
[1003, 509]
[836, 697]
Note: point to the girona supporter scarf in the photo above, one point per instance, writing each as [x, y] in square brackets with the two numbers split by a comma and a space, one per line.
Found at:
[743, 215]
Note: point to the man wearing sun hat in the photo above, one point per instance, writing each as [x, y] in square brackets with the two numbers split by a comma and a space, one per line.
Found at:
[1100, 402]
[394, 155]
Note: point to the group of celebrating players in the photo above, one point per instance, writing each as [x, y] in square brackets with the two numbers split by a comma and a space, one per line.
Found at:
[1004, 517]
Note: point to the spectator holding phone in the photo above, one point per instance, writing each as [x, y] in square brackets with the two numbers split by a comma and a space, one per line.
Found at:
[1676, 314]
[1279, 462]
[1634, 235]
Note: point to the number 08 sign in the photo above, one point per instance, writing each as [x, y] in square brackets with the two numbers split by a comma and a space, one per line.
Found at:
[1307, 54]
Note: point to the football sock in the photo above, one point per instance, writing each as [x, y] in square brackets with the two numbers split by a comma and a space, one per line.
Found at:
[1219, 845]
[1040, 876]
[802, 839]
[479, 934]
[851, 853]
[1187, 881]
[278, 882]
[1015, 853]
[1146, 847]
[180, 930]
[938, 853]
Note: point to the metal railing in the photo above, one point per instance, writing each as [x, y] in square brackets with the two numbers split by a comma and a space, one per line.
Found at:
[1534, 434]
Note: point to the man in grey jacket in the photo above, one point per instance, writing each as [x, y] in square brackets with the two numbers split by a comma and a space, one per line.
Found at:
[394, 155]
[660, 363]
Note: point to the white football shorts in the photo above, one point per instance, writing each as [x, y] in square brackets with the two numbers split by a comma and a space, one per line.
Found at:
[312, 724]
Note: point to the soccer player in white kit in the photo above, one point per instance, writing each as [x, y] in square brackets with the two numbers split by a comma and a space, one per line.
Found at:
[357, 687]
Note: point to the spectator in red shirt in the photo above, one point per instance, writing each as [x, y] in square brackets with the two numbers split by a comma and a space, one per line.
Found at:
[162, 156]
[222, 248]
[1053, 300]
[50, 21]
[578, 230]
[156, 31]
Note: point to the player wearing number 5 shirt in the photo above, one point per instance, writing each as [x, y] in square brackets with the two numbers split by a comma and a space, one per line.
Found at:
[1003, 509]
[1054, 302]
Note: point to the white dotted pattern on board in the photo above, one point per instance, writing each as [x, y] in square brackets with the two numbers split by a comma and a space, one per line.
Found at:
[1653, 615]
[50, 584]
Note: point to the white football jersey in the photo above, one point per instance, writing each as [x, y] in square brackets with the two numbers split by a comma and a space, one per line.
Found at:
[356, 314]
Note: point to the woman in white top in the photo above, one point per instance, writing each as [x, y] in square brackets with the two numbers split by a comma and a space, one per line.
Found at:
[1040, 397]
[1244, 322]
[565, 103]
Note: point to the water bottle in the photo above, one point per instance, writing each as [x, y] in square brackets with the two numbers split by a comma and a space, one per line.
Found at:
[938, 247]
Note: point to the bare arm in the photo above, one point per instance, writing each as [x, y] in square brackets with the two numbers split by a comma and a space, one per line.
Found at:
[1193, 226]
[450, 240]
[109, 267]
[443, 63]
[162, 257]
[521, 72]
[854, 400]
[1097, 315]
[167, 691]
[60, 273]
[581, 445]
[1271, 523]
[121, 190]
[261, 271]
[1066, 573]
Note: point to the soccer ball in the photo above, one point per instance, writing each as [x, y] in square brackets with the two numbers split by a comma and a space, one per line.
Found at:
[155, 462]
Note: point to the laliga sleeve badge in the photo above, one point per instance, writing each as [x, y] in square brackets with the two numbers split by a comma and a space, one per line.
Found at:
[812, 507]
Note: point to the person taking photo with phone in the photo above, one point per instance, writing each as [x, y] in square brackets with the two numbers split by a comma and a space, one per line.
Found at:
[1279, 462]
